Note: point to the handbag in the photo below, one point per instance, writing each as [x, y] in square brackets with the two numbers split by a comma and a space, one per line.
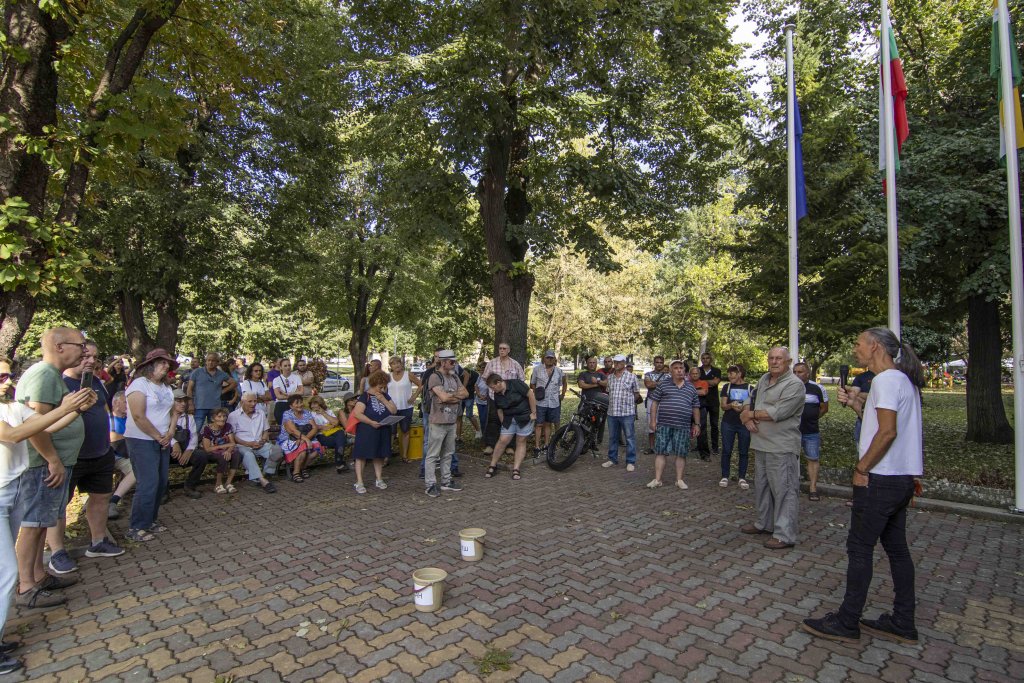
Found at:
[350, 426]
[539, 392]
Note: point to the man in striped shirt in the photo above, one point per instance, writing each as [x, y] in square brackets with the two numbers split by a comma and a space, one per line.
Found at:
[674, 415]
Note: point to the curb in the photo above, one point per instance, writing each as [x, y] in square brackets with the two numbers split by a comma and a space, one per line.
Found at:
[934, 505]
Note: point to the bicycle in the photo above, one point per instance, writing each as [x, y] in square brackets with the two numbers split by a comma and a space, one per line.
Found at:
[579, 434]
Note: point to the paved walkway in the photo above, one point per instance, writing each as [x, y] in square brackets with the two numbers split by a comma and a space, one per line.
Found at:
[587, 576]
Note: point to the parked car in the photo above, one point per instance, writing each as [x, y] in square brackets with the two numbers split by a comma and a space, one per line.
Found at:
[336, 382]
[418, 368]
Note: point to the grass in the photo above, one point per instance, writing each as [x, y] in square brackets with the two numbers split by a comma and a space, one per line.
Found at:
[494, 660]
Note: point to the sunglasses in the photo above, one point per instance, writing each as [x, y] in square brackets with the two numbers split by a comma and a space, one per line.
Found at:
[81, 345]
[4, 376]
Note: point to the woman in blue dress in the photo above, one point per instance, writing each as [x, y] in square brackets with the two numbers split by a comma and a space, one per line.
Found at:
[373, 441]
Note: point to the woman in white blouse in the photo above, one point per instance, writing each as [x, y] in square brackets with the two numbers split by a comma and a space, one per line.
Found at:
[255, 382]
[403, 388]
[285, 385]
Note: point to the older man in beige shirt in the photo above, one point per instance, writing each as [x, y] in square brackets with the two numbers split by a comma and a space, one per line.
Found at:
[772, 414]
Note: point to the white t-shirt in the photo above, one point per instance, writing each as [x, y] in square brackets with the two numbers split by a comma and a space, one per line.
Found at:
[159, 401]
[13, 456]
[400, 390]
[893, 390]
[248, 386]
[286, 386]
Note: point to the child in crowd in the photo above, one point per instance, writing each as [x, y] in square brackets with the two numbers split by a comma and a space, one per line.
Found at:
[219, 442]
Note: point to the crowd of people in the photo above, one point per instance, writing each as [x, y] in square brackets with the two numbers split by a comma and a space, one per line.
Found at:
[77, 426]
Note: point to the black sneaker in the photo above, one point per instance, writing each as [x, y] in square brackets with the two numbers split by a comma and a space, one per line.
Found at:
[457, 474]
[191, 492]
[433, 491]
[885, 627]
[343, 467]
[451, 486]
[830, 627]
[9, 646]
[9, 665]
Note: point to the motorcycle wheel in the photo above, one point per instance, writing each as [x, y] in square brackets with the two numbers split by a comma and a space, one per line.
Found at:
[566, 445]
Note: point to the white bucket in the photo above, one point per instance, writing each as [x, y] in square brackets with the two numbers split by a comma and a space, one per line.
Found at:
[428, 588]
[472, 543]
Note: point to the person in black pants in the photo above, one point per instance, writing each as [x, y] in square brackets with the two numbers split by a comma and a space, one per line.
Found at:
[184, 446]
[891, 458]
[712, 376]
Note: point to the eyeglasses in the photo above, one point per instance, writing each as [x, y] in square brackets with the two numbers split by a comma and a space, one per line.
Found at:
[81, 345]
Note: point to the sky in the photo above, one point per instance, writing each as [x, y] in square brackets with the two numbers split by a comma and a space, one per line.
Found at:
[744, 32]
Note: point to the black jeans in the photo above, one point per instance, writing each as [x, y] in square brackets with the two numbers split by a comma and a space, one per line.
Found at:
[198, 462]
[492, 430]
[879, 514]
[702, 438]
[711, 416]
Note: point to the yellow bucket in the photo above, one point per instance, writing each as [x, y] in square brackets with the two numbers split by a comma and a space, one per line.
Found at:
[428, 588]
[415, 442]
[472, 544]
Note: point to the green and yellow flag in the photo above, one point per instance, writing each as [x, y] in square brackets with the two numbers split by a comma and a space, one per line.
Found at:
[995, 70]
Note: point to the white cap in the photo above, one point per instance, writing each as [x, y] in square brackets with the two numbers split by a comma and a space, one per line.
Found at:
[619, 357]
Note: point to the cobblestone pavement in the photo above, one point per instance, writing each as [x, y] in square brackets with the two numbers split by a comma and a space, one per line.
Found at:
[587, 576]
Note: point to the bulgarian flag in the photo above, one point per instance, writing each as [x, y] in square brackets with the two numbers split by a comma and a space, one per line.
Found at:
[899, 99]
[995, 71]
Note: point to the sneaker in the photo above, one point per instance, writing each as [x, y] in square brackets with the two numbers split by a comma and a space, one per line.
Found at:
[9, 646]
[381, 484]
[885, 627]
[744, 485]
[269, 487]
[681, 485]
[61, 563]
[649, 451]
[359, 488]
[457, 474]
[714, 452]
[609, 463]
[9, 665]
[433, 491]
[342, 468]
[723, 482]
[56, 583]
[631, 468]
[830, 627]
[451, 486]
[191, 492]
[37, 598]
[654, 484]
[112, 511]
[104, 549]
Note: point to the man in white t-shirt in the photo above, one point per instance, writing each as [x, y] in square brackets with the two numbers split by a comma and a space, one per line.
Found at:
[891, 457]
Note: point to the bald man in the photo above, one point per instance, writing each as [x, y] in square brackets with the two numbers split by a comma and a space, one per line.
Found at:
[44, 485]
[772, 415]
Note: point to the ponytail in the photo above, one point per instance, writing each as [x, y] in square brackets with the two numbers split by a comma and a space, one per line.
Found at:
[902, 353]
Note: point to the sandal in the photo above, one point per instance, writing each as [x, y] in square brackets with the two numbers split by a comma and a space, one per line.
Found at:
[231, 488]
[490, 471]
[220, 489]
[813, 495]
[516, 476]
[306, 474]
[157, 528]
[139, 535]
[297, 478]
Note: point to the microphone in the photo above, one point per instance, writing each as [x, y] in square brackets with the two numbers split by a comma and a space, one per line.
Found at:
[844, 374]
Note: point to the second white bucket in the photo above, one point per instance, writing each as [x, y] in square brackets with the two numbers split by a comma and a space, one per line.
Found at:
[428, 588]
[472, 543]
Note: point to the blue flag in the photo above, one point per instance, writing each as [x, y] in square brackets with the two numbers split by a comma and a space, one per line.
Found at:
[801, 189]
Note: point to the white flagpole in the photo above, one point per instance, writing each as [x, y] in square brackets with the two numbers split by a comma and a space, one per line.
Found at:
[1016, 268]
[889, 140]
[794, 301]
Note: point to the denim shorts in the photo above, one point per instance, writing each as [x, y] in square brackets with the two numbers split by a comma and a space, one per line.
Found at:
[812, 446]
[406, 422]
[516, 430]
[466, 407]
[42, 506]
[552, 415]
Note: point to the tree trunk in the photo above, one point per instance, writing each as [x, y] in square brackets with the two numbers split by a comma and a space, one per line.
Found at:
[986, 415]
[16, 311]
[503, 202]
[129, 307]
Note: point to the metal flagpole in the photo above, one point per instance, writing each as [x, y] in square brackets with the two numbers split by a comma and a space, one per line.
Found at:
[889, 140]
[1016, 267]
[794, 301]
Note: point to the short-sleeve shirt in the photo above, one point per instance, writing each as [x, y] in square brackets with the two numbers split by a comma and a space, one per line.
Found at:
[206, 387]
[892, 390]
[218, 437]
[159, 401]
[552, 390]
[374, 408]
[657, 378]
[13, 456]
[258, 387]
[675, 404]
[286, 386]
[621, 389]
[813, 398]
[304, 417]
[42, 383]
[736, 393]
[591, 378]
[514, 403]
[480, 388]
[511, 370]
[97, 426]
[443, 413]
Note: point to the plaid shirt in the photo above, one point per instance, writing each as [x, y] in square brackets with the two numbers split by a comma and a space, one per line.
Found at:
[621, 389]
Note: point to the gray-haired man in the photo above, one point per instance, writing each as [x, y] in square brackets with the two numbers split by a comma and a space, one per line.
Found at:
[253, 439]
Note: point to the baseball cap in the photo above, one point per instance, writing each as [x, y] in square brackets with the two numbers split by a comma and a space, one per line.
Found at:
[550, 353]
[619, 357]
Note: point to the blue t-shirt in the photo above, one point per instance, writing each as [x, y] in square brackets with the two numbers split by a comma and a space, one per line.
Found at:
[675, 404]
[207, 388]
[97, 427]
